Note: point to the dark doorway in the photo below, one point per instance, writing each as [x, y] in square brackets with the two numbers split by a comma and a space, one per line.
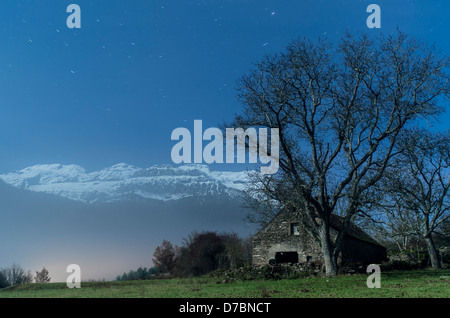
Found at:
[286, 257]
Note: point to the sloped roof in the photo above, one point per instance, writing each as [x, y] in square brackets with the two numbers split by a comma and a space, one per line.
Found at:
[353, 230]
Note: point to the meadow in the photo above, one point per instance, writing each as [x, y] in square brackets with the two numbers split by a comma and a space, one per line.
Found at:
[396, 284]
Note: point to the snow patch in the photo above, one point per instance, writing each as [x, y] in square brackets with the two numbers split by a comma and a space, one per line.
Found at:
[122, 181]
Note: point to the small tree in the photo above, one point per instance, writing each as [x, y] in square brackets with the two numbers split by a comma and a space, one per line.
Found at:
[164, 257]
[142, 273]
[42, 276]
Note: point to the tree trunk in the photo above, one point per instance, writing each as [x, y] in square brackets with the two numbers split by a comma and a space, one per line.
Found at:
[330, 262]
[432, 252]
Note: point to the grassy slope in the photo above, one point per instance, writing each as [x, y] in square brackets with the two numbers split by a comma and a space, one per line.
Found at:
[421, 284]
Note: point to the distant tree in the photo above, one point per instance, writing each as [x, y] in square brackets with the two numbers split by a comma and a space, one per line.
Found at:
[207, 251]
[153, 271]
[140, 273]
[204, 252]
[132, 275]
[16, 275]
[42, 276]
[237, 251]
[164, 257]
[3, 280]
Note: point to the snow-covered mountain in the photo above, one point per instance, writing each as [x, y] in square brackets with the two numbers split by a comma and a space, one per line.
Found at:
[123, 182]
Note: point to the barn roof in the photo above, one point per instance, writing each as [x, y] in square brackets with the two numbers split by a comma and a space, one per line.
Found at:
[353, 230]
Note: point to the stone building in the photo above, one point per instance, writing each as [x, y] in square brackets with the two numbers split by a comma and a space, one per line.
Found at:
[284, 240]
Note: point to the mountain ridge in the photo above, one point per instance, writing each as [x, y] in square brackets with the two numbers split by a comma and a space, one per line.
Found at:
[122, 182]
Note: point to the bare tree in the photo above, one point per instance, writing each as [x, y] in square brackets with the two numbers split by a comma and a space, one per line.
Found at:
[42, 276]
[420, 185]
[164, 257]
[16, 275]
[398, 226]
[339, 110]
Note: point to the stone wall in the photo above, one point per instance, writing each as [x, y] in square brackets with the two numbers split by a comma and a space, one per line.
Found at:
[277, 237]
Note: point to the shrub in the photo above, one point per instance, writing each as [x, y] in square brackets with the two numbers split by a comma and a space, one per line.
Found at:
[267, 272]
[205, 252]
[400, 265]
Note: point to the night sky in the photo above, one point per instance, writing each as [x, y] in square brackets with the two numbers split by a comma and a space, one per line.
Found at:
[114, 90]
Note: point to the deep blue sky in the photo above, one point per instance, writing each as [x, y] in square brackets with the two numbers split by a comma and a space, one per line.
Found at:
[114, 90]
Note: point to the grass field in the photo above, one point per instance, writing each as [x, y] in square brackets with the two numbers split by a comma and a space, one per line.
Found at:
[396, 284]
